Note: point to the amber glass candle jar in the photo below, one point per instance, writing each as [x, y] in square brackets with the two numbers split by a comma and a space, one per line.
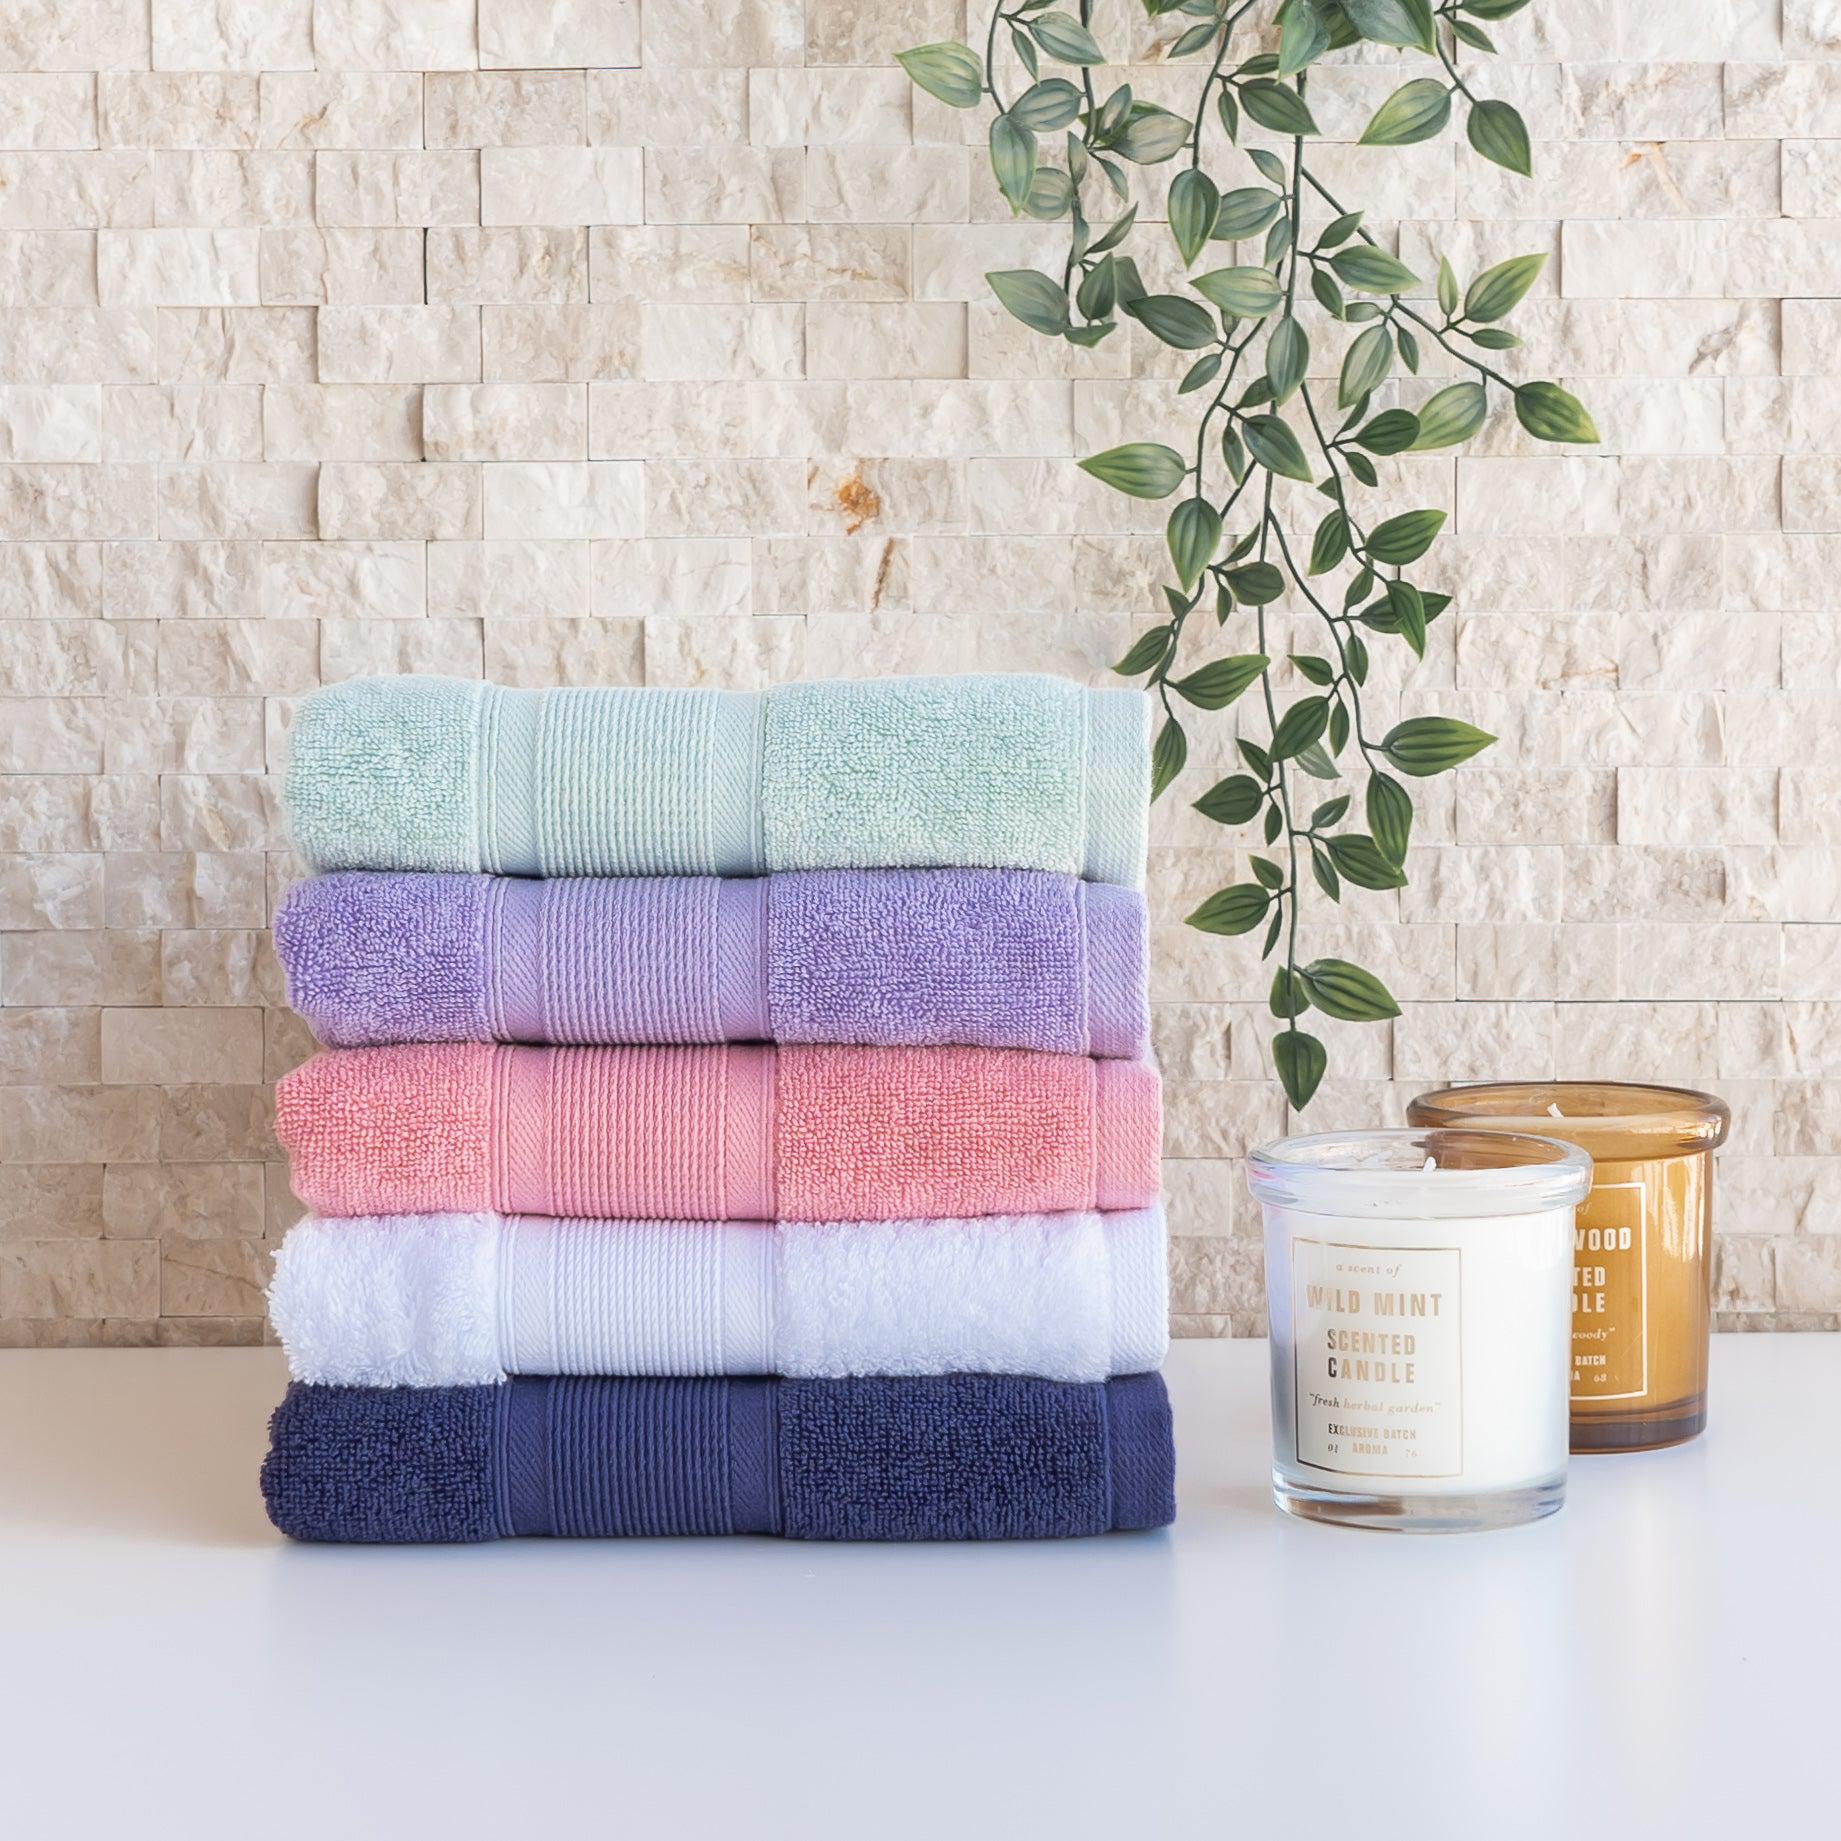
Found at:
[1642, 1244]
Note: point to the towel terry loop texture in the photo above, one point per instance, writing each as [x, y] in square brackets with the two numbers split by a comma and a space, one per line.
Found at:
[714, 1134]
[424, 773]
[445, 1300]
[895, 958]
[956, 1457]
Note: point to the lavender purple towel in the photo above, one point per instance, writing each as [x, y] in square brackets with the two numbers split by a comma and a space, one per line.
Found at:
[953, 1457]
[886, 958]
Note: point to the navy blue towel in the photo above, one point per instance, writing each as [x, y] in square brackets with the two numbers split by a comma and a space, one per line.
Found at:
[952, 1457]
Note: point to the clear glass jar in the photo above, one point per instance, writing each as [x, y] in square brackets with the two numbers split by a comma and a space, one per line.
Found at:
[1418, 1294]
[1643, 1259]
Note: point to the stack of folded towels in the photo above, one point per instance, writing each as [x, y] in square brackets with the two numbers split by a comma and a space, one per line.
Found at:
[734, 1117]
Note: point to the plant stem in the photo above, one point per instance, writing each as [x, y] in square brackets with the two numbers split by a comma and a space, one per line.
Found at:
[990, 59]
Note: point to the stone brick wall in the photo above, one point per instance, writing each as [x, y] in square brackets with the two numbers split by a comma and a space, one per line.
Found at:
[646, 341]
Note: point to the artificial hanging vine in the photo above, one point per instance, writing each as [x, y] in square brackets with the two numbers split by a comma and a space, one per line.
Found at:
[1265, 419]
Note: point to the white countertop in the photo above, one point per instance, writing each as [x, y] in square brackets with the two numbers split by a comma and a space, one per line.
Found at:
[1659, 1658]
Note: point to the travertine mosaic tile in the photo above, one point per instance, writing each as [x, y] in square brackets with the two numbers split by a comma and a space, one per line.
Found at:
[650, 344]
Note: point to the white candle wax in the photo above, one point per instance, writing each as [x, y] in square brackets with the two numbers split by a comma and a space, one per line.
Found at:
[1419, 1300]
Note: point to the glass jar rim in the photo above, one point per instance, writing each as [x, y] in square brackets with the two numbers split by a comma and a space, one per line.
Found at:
[1610, 1118]
[1420, 1173]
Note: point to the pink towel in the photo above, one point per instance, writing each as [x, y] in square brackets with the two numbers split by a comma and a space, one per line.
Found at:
[715, 1134]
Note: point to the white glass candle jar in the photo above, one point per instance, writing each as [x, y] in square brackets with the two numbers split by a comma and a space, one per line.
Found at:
[1419, 1297]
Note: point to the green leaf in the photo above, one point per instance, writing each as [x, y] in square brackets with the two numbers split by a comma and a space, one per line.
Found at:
[1299, 727]
[1406, 538]
[1427, 745]
[1473, 36]
[1287, 357]
[1494, 9]
[1244, 213]
[1330, 544]
[1325, 872]
[1346, 992]
[1420, 12]
[1373, 271]
[1140, 469]
[1266, 872]
[950, 71]
[1257, 584]
[1032, 297]
[1248, 292]
[1146, 652]
[1300, 1060]
[1232, 910]
[1551, 414]
[1275, 447]
[1329, 811]
[1063, 37]
[1046, 106]
[1233, 453]
[1498, 133]
[1382, 22]
[1303, 37]
[1025, 51]
[1453, 414]
[1315, 759]
[1099, 292]
[1013, 159]
[1360, 861]
[1390, 816]
[1275, 106]
[1168, 753]
[1360, 465]
[1218, 683]
[1447, 287]
[1120, 230]
[1197, 38]
[1178, 322]
[1203, 372]
[1317, 670]
[1500, 289]
[1416, 111]
[1288, 997]
[1194, 534]
[1393, 431]
[1114, 110]
[1151, 135]
[1194, 201]
[1365, 365]
[1232, 801]
[1407, 606]
[1051, 191]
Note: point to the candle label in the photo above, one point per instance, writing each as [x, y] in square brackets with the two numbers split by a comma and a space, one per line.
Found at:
[1611, 1291]
[1379, 1369]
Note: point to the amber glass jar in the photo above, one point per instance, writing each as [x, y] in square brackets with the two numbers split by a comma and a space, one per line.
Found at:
[1642, 1244]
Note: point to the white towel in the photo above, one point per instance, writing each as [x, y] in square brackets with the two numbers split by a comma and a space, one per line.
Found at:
[451, 1300]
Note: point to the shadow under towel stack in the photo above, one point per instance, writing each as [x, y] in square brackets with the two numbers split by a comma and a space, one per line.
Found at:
[735, 1115]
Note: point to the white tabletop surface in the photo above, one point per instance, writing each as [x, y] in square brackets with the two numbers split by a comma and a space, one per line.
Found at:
[1659, 1658]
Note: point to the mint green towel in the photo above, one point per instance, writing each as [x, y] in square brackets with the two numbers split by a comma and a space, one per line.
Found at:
[902, 773]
